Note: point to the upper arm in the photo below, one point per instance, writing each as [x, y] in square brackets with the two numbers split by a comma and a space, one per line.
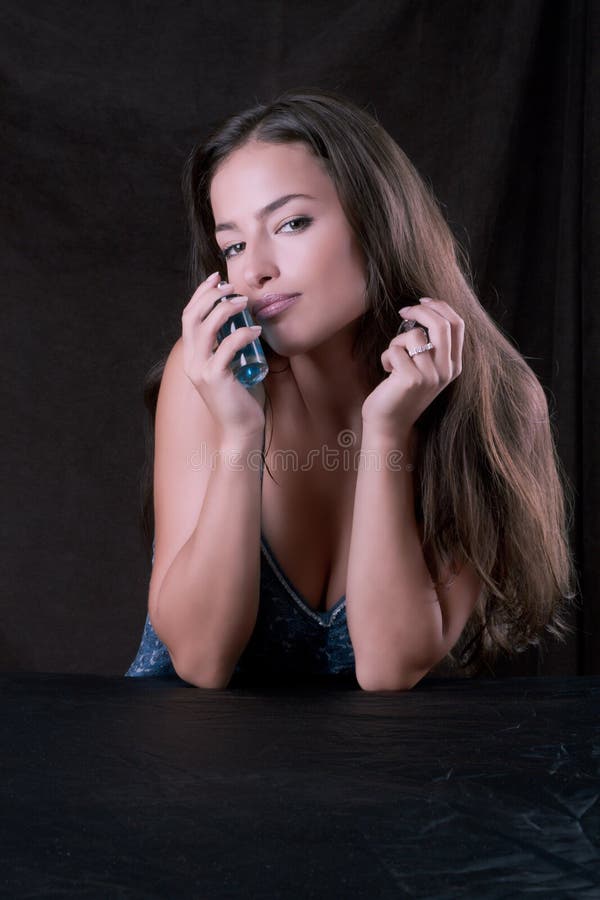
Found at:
[457, 595]
[184, 443]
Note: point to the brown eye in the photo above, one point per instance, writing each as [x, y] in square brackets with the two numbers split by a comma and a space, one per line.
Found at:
[225, 253]
[301, 222]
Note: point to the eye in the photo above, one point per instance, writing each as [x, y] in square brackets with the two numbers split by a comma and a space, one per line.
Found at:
[226, 251]
[300, 223]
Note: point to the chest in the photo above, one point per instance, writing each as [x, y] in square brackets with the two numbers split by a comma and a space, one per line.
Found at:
[307, 522]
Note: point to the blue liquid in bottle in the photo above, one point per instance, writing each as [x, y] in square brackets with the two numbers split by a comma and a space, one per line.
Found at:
[249, 365]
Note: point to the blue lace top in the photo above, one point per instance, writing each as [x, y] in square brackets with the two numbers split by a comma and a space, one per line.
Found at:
[289, 637]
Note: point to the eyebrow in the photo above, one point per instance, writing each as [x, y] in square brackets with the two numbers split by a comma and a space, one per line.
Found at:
[265, 211]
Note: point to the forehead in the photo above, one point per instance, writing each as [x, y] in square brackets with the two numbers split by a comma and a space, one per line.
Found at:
[259, 172]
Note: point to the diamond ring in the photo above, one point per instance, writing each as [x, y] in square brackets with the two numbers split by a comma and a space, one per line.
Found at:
[421, 349]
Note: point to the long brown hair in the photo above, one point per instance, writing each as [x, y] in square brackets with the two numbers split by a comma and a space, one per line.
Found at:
[489, 485]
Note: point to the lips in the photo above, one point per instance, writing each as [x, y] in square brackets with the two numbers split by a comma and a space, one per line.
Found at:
[263, 303]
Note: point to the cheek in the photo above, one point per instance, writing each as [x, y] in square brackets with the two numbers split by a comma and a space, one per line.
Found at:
[316, 254]
[351, 269]
[333, 255]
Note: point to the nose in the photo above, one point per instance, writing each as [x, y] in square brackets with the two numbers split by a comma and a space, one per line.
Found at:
[259, 265]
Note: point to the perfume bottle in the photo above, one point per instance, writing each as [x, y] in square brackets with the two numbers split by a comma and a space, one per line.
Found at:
[249, 365]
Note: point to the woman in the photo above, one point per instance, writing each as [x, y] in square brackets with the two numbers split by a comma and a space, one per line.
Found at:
[435, 534]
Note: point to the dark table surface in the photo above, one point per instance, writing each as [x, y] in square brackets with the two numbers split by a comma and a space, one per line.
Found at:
[150, 788]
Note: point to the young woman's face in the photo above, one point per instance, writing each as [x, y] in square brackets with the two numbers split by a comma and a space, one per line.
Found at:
[275, 243]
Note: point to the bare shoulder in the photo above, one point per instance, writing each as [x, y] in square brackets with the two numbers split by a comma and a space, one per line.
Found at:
[185, 443]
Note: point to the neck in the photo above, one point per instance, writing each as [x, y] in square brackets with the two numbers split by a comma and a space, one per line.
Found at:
[328, 385]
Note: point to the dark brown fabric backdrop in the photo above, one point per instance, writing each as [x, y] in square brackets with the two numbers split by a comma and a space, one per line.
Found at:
[496, 103]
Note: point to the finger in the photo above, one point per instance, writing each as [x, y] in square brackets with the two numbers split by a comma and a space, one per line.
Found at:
[445, 329]
[200, 305]
[220, 360]
[427, 314]
[205, 298]
[414, 337]
[201, 291]
[458, 334]
[205, 333]
[397, 356]
[223, 291]
[458, 330]
[441, 351]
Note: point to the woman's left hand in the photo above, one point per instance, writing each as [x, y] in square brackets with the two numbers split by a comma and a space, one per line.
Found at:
[398, 401]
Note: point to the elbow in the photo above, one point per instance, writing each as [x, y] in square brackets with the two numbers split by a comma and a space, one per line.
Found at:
[380, 667]
[202, 673]
[208, 680]
[206, 684]
[199, 672]
[374, 678]
[379, 682]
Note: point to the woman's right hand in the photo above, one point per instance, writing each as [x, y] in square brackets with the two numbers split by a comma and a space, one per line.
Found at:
[234, 408]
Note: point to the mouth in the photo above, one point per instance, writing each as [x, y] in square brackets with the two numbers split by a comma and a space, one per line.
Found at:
[271, 304]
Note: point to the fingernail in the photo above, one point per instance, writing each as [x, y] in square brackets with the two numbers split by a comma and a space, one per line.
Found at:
[224, 284]
[213, 275]
[425, 299]
[256, 327]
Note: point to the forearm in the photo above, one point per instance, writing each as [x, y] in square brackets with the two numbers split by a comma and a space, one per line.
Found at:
[207, 605]
[394, 617]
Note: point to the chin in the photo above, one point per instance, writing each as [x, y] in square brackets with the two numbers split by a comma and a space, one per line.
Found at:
[285, 344]
[283, 349]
